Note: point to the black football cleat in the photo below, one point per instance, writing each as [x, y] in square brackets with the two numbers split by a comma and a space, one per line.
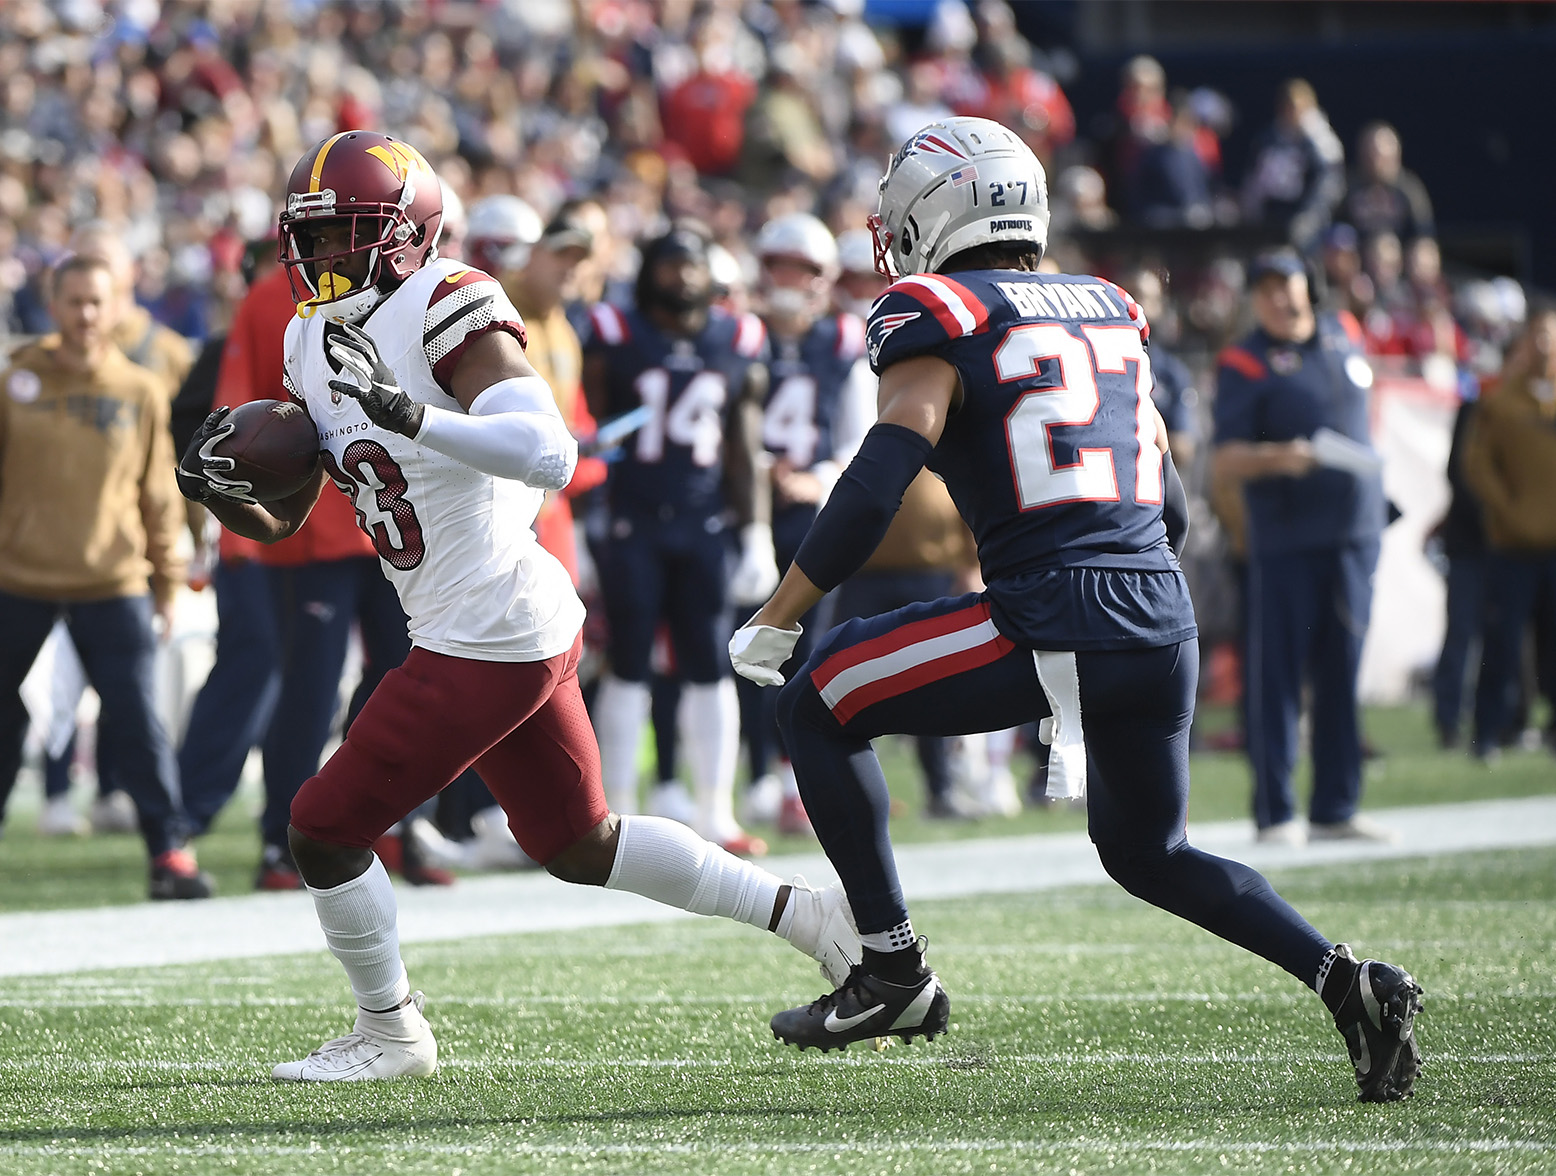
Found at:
[1377, 1019]
[867, 1007]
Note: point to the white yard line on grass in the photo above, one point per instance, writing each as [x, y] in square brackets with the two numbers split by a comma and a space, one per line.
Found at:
[146, 935]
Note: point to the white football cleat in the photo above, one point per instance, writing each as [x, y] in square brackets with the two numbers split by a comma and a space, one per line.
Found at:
[60, 819]
[396, 1044]
[115, 813]
[823, 928]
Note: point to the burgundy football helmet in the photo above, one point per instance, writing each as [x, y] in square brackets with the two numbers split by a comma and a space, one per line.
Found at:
[390, 195]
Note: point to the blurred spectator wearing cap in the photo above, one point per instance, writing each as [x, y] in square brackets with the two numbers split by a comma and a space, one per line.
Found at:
[90, 516]
[1382, 196]
[1287, 397]
[1510, 463]
[1297, 176]
[1347, 287]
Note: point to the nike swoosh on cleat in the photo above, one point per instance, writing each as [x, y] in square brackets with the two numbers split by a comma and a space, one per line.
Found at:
[837, 1024]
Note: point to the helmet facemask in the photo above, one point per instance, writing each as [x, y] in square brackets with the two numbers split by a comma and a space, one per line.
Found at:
[317, 279]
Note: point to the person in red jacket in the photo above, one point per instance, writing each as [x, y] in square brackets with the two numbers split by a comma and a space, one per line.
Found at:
[705, 115]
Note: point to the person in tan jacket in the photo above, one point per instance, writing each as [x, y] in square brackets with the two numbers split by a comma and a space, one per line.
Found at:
[168, 356]
[1510, 464]
[89, 516]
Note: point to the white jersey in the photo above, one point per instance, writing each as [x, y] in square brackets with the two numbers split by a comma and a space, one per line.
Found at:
[457, 544]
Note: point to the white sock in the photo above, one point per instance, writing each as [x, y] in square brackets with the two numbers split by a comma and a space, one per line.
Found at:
[710, 730]
[620, 711]
[358, 918]
[667, 862]
[892, 939]
[791, 786]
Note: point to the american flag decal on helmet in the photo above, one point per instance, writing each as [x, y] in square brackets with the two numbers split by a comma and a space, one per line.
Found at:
[965, 176]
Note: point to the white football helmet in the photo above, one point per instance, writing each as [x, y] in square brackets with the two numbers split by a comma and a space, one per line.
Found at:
[958, 183]
[802, 237]
[499, 233]
[798, 236]
[856, 252]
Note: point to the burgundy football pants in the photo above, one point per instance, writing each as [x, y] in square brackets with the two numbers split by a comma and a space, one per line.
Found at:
[521, 724]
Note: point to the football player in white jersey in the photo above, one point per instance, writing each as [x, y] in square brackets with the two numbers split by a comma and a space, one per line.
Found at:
[431, 420]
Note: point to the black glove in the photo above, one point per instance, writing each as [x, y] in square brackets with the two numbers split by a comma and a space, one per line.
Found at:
[374, 388]
[201, 475]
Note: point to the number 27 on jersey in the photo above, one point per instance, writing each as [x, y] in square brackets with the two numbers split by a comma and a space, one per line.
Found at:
[1040, 479]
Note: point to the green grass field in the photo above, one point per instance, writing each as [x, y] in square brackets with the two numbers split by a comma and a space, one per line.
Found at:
[1090, 1033]
[37, 874]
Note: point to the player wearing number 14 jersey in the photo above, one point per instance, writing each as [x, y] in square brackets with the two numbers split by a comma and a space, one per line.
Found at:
[1030, 394]
[685, 483]
[432, 421]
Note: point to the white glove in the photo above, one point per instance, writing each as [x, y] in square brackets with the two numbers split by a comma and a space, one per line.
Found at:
[757, 573]
[758, 652]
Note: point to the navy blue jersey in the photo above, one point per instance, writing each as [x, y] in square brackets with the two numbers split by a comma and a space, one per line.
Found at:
[674, 464]
[1269, 390]
[1051, 457]
[808, 377]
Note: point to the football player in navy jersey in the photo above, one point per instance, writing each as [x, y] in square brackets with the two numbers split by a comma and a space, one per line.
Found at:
[1030, 394]
[814, 354]
[689, 474]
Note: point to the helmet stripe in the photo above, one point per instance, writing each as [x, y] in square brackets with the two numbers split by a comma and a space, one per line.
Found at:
[318, 160]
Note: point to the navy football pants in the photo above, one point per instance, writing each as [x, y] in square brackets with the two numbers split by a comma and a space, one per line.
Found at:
[943, 669]
[1307, 619]
[676, 571]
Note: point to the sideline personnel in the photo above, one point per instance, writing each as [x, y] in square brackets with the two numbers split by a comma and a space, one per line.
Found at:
[89, 511]
[1313, 537]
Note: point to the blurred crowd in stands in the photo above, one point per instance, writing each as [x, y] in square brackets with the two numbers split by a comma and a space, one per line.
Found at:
[171, 125]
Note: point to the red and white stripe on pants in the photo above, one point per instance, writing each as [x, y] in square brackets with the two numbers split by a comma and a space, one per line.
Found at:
[521, 724]
[908, 657]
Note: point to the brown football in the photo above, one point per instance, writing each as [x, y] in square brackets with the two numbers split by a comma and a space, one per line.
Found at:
[274, 445]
